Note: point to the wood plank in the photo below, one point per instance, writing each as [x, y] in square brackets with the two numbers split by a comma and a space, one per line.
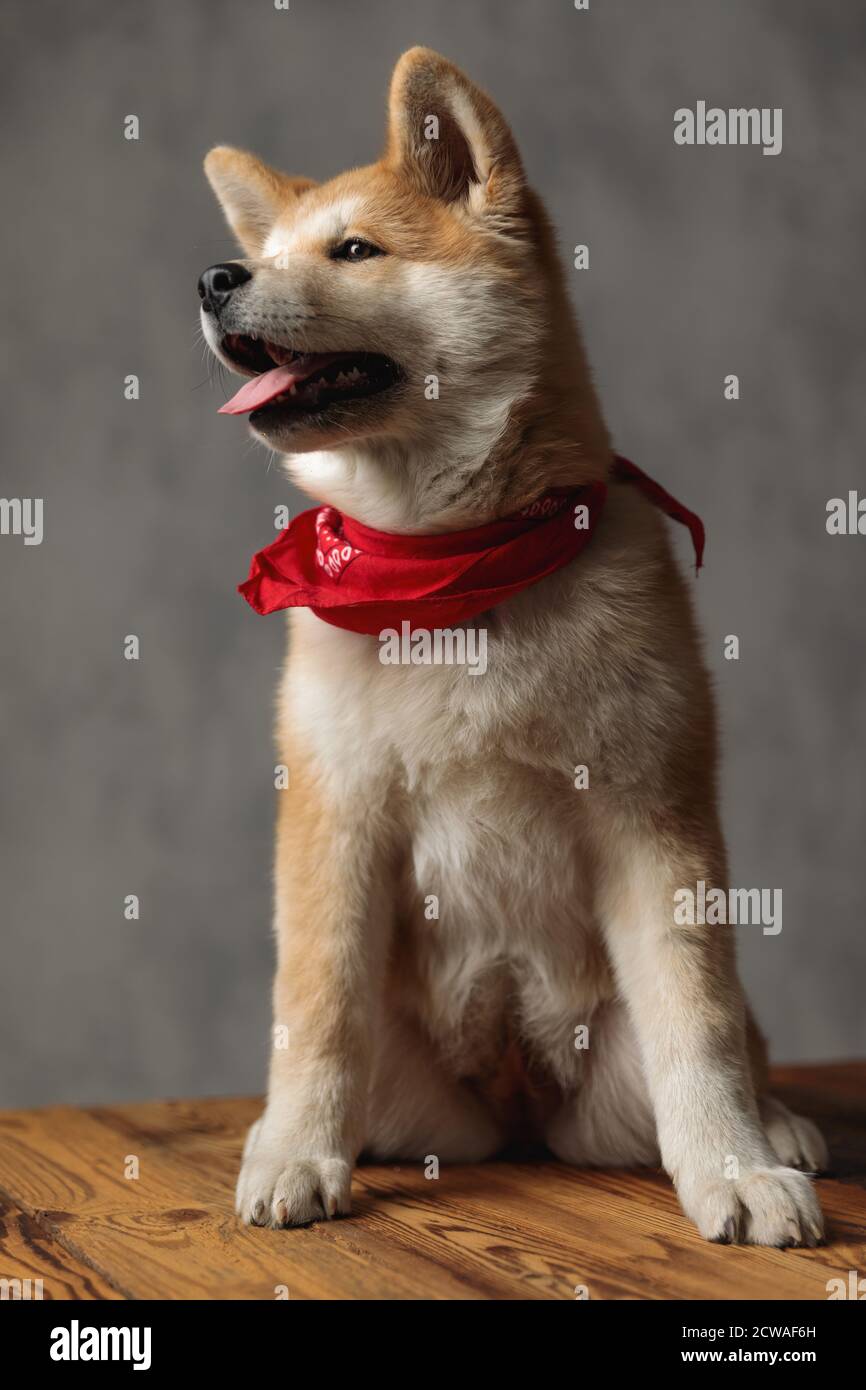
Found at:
[172, 1232]
[503, 1230]
[618, 1234]
[46, 1271]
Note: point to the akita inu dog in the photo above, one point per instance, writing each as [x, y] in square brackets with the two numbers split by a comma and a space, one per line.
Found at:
[454, 907]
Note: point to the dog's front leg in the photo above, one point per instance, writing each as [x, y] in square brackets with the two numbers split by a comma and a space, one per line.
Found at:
[331, 918]
[682, 989]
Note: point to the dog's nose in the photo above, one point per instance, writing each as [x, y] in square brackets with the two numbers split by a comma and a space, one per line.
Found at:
[217, 283]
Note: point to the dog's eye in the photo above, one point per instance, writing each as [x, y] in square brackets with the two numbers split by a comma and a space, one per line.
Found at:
[355, 250]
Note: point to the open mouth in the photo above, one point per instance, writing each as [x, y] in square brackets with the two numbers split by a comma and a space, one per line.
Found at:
[301, 383]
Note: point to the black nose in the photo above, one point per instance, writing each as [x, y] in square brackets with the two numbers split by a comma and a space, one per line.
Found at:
[217, 283]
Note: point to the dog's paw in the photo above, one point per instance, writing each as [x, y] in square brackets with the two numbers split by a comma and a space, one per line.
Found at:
[277, 1190]
[767, 1206]
[796, 1141]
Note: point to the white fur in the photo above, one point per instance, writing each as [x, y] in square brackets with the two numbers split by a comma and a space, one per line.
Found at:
[324, 226]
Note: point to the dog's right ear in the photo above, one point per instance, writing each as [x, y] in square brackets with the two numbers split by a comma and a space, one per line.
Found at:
[251, 193]
[449, 139]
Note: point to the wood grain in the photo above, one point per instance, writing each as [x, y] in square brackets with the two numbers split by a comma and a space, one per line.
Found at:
[503, 1230]
[44, 1268]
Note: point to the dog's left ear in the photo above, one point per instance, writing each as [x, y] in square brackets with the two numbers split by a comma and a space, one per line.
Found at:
[251, 193]
[450, 140]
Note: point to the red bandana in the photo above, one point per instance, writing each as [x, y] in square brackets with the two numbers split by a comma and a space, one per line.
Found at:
[366, 580]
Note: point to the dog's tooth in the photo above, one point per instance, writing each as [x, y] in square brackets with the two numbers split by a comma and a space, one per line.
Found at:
[281, 355]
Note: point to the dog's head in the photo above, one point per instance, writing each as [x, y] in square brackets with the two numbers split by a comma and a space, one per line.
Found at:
[393, 320]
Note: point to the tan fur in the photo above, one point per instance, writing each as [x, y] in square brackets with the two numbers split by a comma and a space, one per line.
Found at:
[409, 1036]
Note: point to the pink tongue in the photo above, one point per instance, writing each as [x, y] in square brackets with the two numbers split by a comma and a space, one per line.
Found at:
[260, 390]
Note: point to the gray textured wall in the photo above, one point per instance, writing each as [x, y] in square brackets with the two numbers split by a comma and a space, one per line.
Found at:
[156, 777]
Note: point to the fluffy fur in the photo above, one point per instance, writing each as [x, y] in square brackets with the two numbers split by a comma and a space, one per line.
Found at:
[409, 1036]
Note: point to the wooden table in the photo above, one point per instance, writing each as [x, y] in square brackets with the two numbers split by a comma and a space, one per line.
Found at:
[503, 1230]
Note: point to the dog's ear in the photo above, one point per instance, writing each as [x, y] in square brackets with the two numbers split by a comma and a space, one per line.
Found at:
[251, 193]
[450, 140]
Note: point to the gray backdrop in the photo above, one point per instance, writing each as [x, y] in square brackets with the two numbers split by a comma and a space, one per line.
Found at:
[155, 777]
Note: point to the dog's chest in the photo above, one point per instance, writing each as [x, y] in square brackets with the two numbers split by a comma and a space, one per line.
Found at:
[497, 913]
[496, 933]
[495, 922]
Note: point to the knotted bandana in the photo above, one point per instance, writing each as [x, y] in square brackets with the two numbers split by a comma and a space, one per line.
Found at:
[365, 580]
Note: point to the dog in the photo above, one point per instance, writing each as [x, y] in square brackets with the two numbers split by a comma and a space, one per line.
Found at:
[453, 911]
